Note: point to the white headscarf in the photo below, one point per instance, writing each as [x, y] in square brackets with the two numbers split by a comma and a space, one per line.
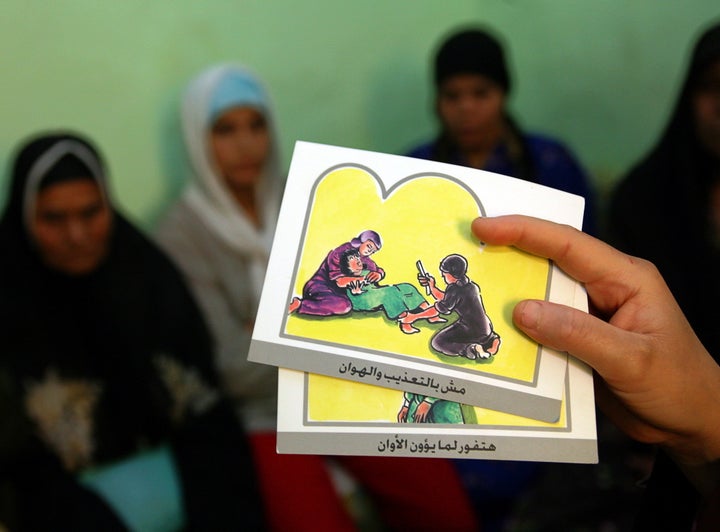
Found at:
[210, 94]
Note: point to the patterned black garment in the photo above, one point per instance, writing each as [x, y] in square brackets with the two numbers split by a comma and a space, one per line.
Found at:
[100, 367]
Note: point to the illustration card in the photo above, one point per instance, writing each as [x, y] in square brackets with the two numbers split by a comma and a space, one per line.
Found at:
[325, 415]
[374, 277]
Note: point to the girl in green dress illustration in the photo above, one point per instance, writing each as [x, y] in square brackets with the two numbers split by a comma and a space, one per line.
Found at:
[397, 300]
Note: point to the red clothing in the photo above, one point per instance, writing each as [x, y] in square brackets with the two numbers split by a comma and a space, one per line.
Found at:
[407, 493]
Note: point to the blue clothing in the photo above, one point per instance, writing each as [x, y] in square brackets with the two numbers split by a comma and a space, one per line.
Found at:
[555, 167]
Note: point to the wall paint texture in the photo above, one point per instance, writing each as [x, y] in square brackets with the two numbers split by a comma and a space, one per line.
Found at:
[599, 74]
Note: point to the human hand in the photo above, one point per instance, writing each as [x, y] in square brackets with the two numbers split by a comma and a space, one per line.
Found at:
[373, 277]
[426, 280]
[356, 286]
[402, 415]
[421, 412]
[655, 380]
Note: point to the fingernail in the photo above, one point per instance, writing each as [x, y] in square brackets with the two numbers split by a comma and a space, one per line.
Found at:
[529, 314]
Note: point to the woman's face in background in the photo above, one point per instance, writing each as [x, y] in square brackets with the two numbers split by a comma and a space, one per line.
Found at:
[471, 109]
[706, 107]
[71, 226]
[240, 146]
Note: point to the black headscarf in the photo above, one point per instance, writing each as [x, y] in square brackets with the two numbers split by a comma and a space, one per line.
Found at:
[42, 162]
[128, 331]
[660, 211]
[472, 51]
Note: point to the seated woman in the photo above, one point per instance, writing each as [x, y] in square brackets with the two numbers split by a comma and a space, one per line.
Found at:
[667, 210]
[476, 127]
[220, 233]
[396, 300]
[108, 392]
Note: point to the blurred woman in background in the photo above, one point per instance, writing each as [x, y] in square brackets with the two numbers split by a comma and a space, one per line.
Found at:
[472, 89]
[667, 210]
[113, 417]
[220, 233]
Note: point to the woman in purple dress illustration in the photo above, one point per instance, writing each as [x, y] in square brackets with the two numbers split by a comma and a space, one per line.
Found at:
[324, 294]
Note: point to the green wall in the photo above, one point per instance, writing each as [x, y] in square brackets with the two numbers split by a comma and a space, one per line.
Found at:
[600, 74]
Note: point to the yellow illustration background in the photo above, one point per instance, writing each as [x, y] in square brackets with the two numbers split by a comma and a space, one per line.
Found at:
[426, 218]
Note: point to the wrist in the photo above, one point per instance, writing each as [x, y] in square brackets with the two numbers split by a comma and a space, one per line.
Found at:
[698, 456]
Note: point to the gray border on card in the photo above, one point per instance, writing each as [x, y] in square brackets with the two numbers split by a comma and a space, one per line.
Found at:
[422, 444]
[580, 451]
[459, 426]
[526, 402]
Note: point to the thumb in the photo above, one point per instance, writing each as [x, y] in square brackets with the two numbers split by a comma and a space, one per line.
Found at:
[582, 335]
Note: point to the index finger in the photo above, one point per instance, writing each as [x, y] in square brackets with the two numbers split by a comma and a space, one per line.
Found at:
[581, 256]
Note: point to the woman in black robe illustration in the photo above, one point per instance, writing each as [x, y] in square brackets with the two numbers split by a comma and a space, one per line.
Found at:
[471, 335]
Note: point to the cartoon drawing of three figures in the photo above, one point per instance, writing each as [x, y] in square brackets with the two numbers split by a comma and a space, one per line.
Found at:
[348, 279]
